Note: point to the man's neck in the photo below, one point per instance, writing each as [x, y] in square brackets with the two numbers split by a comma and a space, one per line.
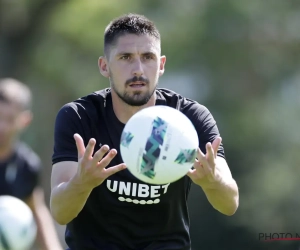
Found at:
[124, 112]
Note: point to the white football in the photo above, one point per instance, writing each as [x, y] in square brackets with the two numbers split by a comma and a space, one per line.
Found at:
[159, 145]
[17, 224]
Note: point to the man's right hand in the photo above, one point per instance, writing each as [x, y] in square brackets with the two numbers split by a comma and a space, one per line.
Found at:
[92, 169]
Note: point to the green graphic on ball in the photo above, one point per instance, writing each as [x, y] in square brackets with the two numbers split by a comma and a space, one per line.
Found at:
[126, 138]
[186, 155]
[153, 147]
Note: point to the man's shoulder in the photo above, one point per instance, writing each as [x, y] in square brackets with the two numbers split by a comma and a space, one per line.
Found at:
[178, 101]
[26, 154]
[164, 93]
[94, 98]
[87, 104]
[168, 93]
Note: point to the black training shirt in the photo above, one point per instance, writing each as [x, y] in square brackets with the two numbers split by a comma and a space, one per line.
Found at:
[123, 212]
[19, 174]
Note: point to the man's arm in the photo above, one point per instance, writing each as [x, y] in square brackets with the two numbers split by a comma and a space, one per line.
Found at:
[72, 182]
[212, 173]
[47, 237]
[223, 195]
[68, 196]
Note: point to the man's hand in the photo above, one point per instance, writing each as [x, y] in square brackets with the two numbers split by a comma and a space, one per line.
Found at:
[92, 169]
[204, 173]
[213, 175]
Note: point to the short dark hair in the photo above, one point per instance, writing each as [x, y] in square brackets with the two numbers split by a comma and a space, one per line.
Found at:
[15, 92]
[128, 24]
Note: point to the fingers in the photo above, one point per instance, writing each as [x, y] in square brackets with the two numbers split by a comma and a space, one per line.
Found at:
[216, 144]
[97, 162]
[200, 155]
[209, 152]
[80, 145]
[89, 150]
[101, 152]
[202, 159]
[191, 172]
[102, 163]
[204, 163]
[112, 170]
[212, 149]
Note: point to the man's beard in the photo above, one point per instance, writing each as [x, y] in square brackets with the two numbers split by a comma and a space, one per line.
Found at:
[138, 98]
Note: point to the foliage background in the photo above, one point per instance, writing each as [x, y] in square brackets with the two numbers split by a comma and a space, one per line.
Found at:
[239, 58]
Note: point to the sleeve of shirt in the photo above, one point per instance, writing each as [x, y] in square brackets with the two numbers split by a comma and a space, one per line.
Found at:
[33, 174]
[29, 170]
[205, 125]
[67, 123]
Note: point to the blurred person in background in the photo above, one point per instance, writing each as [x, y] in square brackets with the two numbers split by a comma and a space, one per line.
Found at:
[20, 166]
[87, 169]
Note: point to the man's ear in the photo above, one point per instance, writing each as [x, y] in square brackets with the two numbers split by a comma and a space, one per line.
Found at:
[103, 66]
[25, 118]
[162, 65]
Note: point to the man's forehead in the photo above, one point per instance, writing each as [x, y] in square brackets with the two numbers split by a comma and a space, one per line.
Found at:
[131, 43]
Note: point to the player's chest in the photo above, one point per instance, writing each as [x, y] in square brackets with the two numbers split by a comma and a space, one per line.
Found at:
[109, 135]
[13, 180]
[124, 188]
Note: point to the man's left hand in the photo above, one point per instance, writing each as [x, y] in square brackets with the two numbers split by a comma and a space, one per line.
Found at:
[204, 173]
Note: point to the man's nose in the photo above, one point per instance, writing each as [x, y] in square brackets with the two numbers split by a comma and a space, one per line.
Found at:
[138, 68]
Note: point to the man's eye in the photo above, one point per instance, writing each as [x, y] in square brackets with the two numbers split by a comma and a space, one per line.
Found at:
[148, 57]
[125, 57]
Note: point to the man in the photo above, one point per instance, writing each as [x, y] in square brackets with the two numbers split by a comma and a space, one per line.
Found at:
[86, 160]
[19, 165]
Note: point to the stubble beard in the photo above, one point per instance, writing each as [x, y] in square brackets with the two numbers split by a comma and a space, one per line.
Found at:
[137, 98]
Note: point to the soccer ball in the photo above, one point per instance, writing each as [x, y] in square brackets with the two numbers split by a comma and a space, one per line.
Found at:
[159, 145]
[17, 224]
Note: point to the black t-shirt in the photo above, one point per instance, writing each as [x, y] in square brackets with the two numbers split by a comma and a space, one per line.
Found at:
[123, 212]
[19, 174]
